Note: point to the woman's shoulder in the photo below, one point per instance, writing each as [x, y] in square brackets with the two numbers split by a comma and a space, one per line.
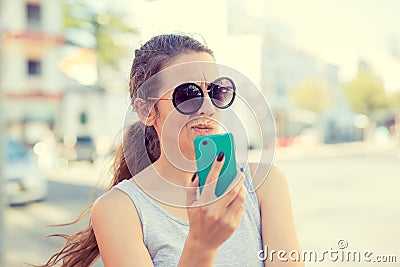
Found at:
[114, 202]
[118, 230]
[110, 198]
[267, 178]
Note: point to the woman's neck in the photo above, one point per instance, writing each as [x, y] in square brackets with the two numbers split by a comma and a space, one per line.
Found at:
[179, 173]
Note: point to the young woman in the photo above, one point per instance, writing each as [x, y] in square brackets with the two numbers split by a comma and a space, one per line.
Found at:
[130, 227]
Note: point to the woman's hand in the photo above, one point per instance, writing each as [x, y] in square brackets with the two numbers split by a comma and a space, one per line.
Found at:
[212, 221]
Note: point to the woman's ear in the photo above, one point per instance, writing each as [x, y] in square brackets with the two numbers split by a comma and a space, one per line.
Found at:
[146, 116]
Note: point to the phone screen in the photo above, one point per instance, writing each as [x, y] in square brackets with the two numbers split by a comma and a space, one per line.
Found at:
[207, 148]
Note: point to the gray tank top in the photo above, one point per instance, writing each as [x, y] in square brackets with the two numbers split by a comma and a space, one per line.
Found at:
[165, 235]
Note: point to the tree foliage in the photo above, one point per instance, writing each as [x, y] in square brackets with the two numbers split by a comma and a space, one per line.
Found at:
[311, 94]
[366, 93]
[394, 100]
[102, 30]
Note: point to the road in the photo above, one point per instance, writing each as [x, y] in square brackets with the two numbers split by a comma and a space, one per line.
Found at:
[70, 191]
[351, 198]
[340, 194]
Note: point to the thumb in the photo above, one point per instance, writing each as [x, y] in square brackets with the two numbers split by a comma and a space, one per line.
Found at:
[191, 190]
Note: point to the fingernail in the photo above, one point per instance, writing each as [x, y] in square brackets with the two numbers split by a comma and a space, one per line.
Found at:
[220, 156]
[194, 177]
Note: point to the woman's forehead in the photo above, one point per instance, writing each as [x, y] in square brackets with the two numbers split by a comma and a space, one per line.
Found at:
[193, 72]
[191, 57]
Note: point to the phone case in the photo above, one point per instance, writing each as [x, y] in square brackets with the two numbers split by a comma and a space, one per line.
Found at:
[207, 148]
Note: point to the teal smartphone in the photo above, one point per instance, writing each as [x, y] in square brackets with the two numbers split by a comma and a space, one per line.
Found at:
[207, 148]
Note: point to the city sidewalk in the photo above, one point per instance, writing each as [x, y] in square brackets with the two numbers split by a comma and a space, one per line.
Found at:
[99, 174]
[337, 150]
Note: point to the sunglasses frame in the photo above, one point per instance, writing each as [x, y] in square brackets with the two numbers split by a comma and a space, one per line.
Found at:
[209, 89]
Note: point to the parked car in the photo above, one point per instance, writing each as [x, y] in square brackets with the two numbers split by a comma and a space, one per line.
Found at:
[85, 148]
[24, 180]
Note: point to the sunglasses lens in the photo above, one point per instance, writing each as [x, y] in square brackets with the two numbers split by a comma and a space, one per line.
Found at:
[187, 98]
[222, 92]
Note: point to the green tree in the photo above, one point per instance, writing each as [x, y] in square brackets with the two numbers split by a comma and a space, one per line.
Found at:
[394, 100]
[366, 94]
[101, 29]
[311, 94]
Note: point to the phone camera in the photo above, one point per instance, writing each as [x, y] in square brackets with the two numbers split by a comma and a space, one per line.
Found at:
[204, 142]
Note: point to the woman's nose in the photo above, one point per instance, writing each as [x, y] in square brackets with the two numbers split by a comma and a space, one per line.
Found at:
[207, 108]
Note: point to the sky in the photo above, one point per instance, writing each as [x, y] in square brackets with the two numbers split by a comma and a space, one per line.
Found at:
[342, 31]
[336, 31]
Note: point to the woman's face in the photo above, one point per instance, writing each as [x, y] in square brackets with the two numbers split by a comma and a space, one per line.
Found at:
[175, 128]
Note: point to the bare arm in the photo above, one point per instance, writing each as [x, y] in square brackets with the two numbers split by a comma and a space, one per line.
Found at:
[278, 228]
[118, 231]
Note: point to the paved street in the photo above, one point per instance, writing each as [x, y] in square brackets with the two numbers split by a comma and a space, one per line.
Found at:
[348, 193]
[354, 198]
[70, 191]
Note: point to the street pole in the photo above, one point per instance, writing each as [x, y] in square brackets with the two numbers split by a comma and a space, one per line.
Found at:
[2, 159]
[2, 147]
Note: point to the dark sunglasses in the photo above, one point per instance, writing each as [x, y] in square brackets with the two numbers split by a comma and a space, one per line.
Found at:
[189, 97]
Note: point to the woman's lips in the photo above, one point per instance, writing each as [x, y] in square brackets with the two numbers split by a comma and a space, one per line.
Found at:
[202, 128]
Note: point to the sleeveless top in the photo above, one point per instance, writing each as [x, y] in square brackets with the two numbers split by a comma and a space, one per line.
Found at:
[165, 235]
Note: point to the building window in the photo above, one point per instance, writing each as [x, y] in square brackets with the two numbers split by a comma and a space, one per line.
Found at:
[33, 15]
[34, 68]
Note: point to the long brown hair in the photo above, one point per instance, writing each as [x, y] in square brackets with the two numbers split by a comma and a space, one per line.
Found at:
[81, 247]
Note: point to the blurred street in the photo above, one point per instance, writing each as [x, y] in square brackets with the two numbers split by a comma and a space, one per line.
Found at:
[70, 191]
[346, 191]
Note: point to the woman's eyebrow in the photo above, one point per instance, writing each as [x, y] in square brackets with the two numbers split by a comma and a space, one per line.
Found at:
[207, 85]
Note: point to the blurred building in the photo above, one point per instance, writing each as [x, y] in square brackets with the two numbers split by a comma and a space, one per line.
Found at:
[92, 113]
[49, 93]
[31, 32]
[282, 66]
